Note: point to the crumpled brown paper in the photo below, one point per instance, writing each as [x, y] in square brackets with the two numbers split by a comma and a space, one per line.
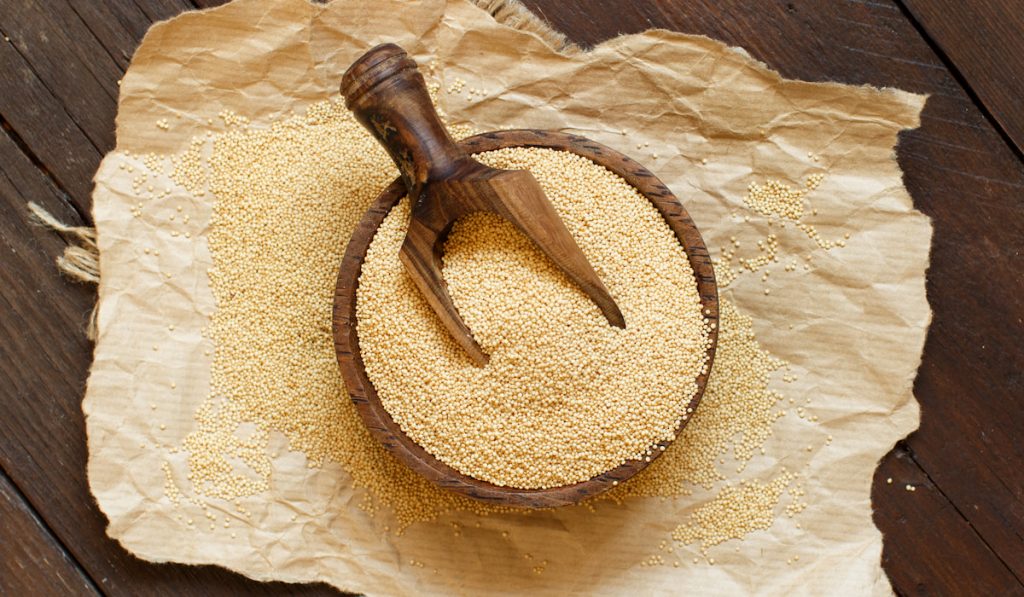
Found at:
[852, 326]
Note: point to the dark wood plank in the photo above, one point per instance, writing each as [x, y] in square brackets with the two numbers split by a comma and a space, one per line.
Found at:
[44, 361]
[209, 3]
[118, 25]
[985, 43]
[69, 61]
[158, 10]
[960, 172]
[957, 168]
[906, 538]
[45, 129]
[32, 562]
[66, 58]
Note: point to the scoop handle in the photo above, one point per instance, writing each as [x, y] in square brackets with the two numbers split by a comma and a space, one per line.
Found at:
[388, 96]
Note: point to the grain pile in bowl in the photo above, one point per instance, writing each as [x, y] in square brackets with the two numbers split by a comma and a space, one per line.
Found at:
[565, 396]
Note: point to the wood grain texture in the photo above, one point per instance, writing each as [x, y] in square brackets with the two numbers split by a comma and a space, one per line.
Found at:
[65, 58]
[957, 167]
[984, 42]
[117, 25]
[158, 10]
[46, 132]
[209, 3]
[960, 172]
[914, 566]
[32, 562]
[69, 61]
[361, 390]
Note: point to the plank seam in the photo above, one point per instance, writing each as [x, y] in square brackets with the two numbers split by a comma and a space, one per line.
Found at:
[39, 520]
[910, 454]
[62, 193]
[1017, 151]
[142, 9]
[184, 5]
[98, 40]
[42, 81]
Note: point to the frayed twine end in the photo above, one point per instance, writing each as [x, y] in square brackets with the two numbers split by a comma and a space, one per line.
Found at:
[517, 16]
[80, 262]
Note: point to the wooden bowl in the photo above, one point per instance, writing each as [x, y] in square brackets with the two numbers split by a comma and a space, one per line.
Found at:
[363, 394]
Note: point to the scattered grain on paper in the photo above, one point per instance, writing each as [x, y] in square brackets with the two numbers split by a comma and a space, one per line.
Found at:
[287, 198]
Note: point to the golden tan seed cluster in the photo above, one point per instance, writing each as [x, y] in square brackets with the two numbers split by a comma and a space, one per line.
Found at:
[726, 273]
[232, 118]
[767, 253]
[774, 199]
[736, 511]
[456, 87]
[154, 163]
[796, 506]
[287, 199]
[170, 487]
[565, 395]
[736, 414]
[189, 170]
[777, 199]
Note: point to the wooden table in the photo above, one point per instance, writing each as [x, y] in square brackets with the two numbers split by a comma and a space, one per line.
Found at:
[961, 532]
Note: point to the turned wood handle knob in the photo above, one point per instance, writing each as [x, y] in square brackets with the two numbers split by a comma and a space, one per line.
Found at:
[389, 97]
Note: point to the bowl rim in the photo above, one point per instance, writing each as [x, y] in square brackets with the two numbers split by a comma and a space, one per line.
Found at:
[364, 396]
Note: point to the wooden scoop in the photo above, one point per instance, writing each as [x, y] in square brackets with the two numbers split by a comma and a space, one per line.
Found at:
[388, 96]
